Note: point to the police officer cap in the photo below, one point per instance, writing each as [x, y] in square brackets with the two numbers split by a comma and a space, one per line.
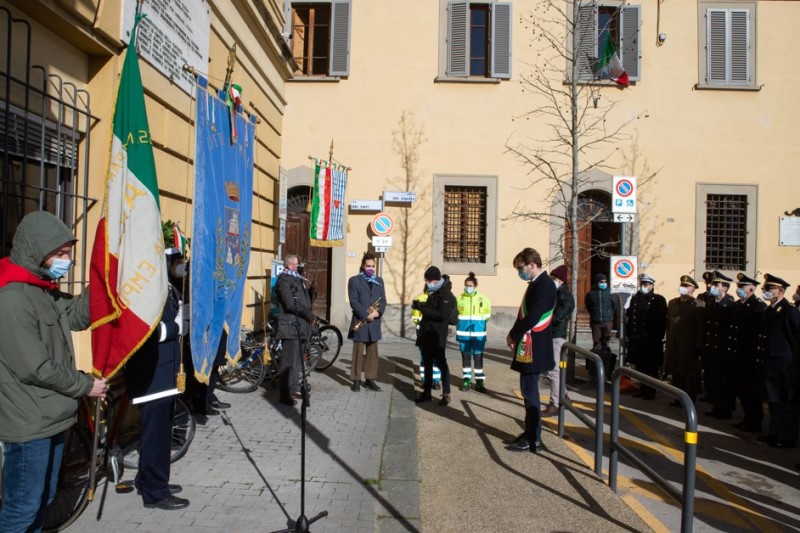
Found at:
[707, 277]
[687, 280]
[719, 277]
[771, 281]
[647, 278]
[744, 279]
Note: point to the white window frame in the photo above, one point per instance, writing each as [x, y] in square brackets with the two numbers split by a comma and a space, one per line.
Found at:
[454, 48]
[440, 181]
[719, 32]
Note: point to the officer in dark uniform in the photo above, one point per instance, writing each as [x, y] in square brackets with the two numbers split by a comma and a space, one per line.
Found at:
[748, 372]
[684, 339]
[706, 296]
[715, 349]
[645, 324]
[780, 333]
[151, 370]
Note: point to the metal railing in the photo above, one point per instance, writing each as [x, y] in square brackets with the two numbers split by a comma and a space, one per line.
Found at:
[595, 425]
[686, 498]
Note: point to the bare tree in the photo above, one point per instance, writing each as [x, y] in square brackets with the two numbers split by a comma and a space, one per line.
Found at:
[581, 133]
[412, 242]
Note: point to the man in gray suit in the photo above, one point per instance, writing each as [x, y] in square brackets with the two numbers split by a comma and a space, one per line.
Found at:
[368, 302]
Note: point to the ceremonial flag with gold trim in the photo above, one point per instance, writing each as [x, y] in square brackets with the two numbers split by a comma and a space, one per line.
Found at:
[128, 276]
[327, 206]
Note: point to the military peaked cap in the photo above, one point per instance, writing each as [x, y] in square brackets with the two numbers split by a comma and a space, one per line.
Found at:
[647, 278]
[773, 281]
[707, 277]
[687, 280]
[743, 279]
[719, 277]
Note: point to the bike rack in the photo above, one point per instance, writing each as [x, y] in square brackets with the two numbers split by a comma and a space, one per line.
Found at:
[565, 403]
[686, 499]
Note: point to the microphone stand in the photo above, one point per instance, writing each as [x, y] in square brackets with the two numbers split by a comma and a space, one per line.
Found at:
[302, 523]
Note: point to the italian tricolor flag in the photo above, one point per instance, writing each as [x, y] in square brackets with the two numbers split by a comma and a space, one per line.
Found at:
[609, 65]
[128, 274]
[327, 206]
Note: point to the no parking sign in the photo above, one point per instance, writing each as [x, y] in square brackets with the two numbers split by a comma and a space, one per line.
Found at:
[624, 273]
[623, 195]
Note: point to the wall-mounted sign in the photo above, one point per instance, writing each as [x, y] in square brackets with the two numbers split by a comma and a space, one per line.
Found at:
[174, 33]
[366, 205]
[399, 197]
[382, 224]
[624, 273]
[789, 231]
[381, 241]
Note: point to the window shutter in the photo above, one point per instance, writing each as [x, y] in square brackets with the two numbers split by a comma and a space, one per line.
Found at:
[340, 38]
[287, 17]
[586, 26]
[457, 38]
[630, 24]
[740, 46]
[716, 67]
[501, 40]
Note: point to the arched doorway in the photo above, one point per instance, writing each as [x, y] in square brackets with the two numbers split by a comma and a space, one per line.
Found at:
[598, 240]
[316, 259]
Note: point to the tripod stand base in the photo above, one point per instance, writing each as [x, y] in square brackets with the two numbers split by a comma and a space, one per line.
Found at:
[302, 523]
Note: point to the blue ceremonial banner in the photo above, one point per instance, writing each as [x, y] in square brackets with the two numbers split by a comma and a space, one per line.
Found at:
[223, 206]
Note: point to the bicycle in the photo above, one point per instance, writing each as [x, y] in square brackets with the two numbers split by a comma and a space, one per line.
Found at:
[123, 434]
[256, 363]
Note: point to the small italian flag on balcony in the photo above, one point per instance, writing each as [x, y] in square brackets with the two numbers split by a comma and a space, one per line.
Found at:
[609, 65]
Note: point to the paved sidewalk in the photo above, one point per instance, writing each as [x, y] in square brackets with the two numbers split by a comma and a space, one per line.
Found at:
[375, 462]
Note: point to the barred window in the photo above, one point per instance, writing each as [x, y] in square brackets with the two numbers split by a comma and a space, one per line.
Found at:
[465, 224]
[726, 231]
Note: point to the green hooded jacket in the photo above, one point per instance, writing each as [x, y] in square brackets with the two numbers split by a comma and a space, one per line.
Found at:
[39, 384]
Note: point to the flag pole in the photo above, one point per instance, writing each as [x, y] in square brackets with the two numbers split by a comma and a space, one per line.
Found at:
[95, 446]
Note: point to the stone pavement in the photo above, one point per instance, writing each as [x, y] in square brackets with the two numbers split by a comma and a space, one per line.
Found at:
[375, 462]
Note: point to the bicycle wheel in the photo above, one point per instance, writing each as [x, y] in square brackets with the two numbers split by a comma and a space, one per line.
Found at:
[247, 374]
[183, 428]
[311, 358]
[73, 481]
[330, 341]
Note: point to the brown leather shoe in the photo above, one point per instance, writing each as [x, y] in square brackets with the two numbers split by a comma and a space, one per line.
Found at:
[288, 401]
[550, 410]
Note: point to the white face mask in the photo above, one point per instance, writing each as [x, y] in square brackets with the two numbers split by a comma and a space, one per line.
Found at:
[767, 295]
[644, 290]
[683, 291]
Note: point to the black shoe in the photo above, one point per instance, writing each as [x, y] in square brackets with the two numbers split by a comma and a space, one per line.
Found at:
[210, 411]
[371, 385]
[639, 394]
[480, 387]
[216, 404]
[296, 395]
[445, 399]
[521, 445]
[675, 403]
[356, 386]
[288, 401]
[722, 415]
[173, 489]
[170, 503]
[437, 385]
[515, 440]
[423, 398]
[537, 447]
[739, 425]
[767, 438]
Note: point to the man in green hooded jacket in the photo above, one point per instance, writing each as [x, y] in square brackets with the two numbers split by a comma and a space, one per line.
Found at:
[39, 383]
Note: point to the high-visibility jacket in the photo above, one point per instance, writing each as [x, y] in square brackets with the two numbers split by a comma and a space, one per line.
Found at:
[416, 315]
[473, 312]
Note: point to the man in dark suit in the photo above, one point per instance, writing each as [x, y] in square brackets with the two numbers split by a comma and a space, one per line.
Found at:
[780, 333]
[531, 340]
[294, 322]
[368, 302]
[684, 339]
[748, 372]
[150, 371]
[715, 361]
[645, 325]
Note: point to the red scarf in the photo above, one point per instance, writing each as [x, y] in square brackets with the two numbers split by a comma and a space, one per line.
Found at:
[11, 273]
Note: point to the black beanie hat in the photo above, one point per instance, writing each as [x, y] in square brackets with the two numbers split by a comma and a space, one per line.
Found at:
[433, 274]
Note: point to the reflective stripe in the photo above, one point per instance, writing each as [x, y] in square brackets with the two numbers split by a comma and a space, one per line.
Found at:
[475, 334]
[473, 317]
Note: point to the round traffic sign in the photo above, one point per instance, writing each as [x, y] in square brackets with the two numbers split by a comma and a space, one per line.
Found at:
[382, 224]
[624, 188]
[624, 268]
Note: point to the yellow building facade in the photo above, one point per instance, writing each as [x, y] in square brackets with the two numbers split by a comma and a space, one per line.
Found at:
[58, 96]
[474, 98]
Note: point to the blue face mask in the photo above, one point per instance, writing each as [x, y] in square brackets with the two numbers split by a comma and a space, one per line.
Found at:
[714, 291]
[469, 290]
[432, 286]
[602, 286]
[58, 267]
[740, 292]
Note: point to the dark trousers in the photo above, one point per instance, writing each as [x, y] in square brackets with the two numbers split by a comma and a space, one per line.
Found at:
[529, 384]
[156, 448]
[751, 397]
[429, 356]
[291, 362]
[688, 384]
[651, 369]
[601, 334]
